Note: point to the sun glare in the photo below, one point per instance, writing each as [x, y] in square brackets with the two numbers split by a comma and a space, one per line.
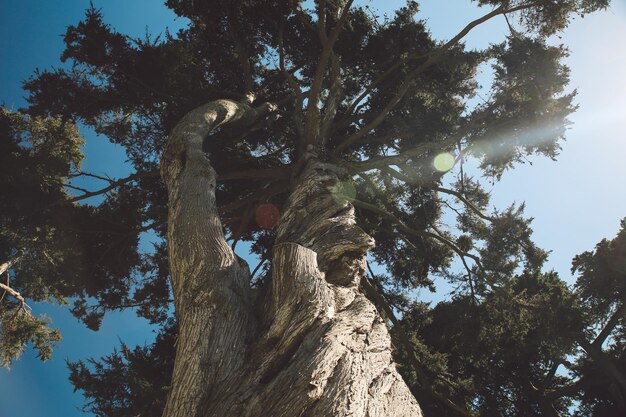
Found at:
[444, 162]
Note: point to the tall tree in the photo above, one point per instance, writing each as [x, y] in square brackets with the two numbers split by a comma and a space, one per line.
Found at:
[312, 132]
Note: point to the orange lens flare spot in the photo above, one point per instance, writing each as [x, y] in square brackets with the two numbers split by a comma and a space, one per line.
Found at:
[267, 215]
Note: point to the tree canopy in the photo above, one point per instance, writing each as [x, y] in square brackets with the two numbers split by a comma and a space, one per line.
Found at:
[376, 96]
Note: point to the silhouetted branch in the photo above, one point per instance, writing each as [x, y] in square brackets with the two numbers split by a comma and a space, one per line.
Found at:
[431, 59]
[402, 226]
[375, 294]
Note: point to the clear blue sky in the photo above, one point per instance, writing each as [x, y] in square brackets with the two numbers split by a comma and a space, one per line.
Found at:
[575, 201]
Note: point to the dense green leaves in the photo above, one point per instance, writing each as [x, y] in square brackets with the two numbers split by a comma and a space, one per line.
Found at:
[528, 102]
[382, 99]
[550, 16]
[528, 346]
[602, 273]
[19, 327]
[129, 382]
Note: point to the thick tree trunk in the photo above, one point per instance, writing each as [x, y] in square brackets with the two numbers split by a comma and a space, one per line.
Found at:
[319, 347]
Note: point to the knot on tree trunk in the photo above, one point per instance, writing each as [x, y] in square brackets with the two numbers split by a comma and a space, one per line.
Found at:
[319, 216]
[325, 351]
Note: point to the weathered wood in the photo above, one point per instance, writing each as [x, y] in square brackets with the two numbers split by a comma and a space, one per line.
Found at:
[211, 291]
[6, 288]
[319, 348]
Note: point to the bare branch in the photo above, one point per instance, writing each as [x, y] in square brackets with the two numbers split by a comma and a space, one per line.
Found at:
[5, 266]
[112, 185]
[311, 118]
[321, 20]
[564, 391]
[6, 287]
[89, 174]
[258, 266]
[293, 83]
[547, 380]
[243, 226]
[330, 107]
[511, 29]
[7, 284]
[73, 187]
[261, 173]
[603, 362]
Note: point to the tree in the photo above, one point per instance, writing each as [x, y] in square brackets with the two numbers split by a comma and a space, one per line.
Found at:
[503, 351]
[600, 285]
[311, 133]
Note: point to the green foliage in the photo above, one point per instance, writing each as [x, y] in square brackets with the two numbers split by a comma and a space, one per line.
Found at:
[129, 382]
[528, 102]
[391, 99]
[600, 285]
[602, 273]
[36, 156]
[19, 327]
[552, 15]
[528, 346]
[68, 250]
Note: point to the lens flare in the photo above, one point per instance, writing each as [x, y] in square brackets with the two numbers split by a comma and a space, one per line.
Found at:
[267, 215]
[344, 192]
[444, 162]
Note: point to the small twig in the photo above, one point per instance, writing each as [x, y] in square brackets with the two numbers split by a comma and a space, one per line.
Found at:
[256, 269]
[112, 185]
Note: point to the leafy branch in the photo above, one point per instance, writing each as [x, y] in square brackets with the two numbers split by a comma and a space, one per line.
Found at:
[430, 59]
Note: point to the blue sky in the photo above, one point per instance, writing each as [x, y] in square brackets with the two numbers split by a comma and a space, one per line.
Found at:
[575, 201]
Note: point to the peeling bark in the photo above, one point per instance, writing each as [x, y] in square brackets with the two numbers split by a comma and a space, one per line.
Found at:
[320, 348]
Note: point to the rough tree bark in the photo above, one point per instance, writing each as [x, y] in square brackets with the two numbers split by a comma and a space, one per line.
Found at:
[314, 345]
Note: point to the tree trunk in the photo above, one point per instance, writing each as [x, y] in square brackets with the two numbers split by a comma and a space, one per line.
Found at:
[318, 347]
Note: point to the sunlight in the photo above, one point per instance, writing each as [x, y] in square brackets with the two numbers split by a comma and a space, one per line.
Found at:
[444, 162]
[344, 192]
[586, 122]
